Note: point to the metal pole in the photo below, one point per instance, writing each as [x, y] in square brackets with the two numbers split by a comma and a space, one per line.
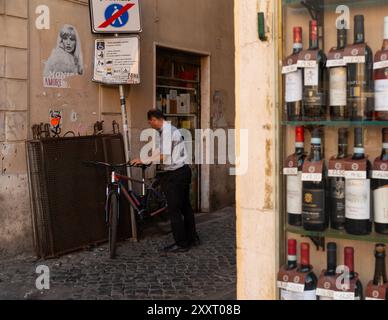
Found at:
[127, 155]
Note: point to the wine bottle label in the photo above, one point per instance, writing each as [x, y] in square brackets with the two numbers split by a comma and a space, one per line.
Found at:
[312, 171]
[336, 168]
[381, 95]
[311, 76]
[326, 286]
[355, 53]
[381, 205]
[313, 206]
[291, 165]
[338, 82]
[294, 86]
[380, 169]
[374, 292]
[381, 60]
[356, 169]
[306, 295]
[290, 64]
[341, 295]
[357, 199]
[294, 194]
[337, 192]
[308, 59]
[286, 295]
[335, 58]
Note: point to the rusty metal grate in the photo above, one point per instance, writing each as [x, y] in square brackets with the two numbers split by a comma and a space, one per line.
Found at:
[67, 197]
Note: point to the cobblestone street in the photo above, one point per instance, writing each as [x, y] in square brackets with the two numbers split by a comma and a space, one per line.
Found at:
[141, 270]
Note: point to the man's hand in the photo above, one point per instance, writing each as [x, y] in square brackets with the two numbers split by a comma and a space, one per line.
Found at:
[136, 162]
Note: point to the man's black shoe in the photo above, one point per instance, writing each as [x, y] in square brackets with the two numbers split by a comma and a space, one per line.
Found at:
[169, 246]
[176, 249]
[196, 242]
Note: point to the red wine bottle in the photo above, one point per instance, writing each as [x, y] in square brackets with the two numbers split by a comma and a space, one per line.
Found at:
[381, 83]
[338, 81]
[380, 277]
[311, 280]
[291, 265]
[380, 193]
[314, 89]
[349, 263]
[294, 183]
[337, 186]
[294, 83]
[358, 194]
[314, 202]
[360, 78]
[331, 270]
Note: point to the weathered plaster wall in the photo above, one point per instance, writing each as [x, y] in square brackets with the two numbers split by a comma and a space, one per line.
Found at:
[256, 111]
[15, 230]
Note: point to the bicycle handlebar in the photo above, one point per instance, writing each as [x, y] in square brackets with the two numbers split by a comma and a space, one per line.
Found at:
[116, 166]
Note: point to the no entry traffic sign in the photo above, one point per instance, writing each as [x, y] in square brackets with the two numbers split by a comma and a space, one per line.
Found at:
[115, 16]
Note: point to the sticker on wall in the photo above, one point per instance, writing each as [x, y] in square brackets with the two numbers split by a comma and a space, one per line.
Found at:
[56, 122]
[66, 59]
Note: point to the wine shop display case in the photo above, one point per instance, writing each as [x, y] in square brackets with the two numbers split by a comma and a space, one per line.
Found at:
[333, 86]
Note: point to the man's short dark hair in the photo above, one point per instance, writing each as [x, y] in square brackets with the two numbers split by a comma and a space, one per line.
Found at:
[155, 113]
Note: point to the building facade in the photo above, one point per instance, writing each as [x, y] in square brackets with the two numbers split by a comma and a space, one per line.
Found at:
[33, 88]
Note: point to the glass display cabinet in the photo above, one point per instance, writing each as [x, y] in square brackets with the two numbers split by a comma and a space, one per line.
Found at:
[334, 84]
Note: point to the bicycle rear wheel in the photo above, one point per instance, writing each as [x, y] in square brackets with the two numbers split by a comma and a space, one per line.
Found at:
[113, 224]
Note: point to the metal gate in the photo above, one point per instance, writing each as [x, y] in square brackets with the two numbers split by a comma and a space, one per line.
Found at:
[67, 197]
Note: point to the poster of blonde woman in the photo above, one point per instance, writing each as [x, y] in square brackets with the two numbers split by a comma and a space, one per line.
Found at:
[66, 59]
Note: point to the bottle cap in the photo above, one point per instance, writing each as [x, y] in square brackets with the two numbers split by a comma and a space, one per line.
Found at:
[299, 131]
[305, 254]
[298, 32]
[292, 247]
[349, 258]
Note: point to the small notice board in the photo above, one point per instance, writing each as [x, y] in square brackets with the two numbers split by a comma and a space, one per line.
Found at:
[117, 60]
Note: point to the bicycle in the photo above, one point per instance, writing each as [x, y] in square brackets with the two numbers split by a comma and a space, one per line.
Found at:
[149, 204]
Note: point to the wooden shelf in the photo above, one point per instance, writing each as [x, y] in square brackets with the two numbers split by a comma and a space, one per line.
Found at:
[336, 234]
[177, 88]
[177, 80]
[180, 115]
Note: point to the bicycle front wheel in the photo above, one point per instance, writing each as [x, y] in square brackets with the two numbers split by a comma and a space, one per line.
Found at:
[113, 224]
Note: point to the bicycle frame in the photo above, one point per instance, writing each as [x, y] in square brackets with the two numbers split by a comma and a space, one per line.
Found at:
[116, 186]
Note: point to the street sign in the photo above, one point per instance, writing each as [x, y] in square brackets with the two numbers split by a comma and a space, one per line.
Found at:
[115, 16]
[116, 60]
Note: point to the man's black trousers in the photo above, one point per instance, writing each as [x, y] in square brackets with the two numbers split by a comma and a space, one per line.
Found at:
[176, 186]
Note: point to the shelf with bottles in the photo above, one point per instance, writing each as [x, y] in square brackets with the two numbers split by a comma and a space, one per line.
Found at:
[336, 123]
[337, 234]
[311, 280]
[330, 4]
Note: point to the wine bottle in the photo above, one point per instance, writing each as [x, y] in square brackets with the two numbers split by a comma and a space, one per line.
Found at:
[314, 201]
[311, 280]
[338, 81]
[331, 270]
[358, 194]
[380, 277]
[349, 263]
[381, 83]
[291, 265]
[314, 89]
[380, 192]
[337, 186]
[294, 183]
[294, 82]
[360, 78]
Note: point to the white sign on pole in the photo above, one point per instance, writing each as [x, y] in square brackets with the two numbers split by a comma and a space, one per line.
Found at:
[115, 16]
[117, 60]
